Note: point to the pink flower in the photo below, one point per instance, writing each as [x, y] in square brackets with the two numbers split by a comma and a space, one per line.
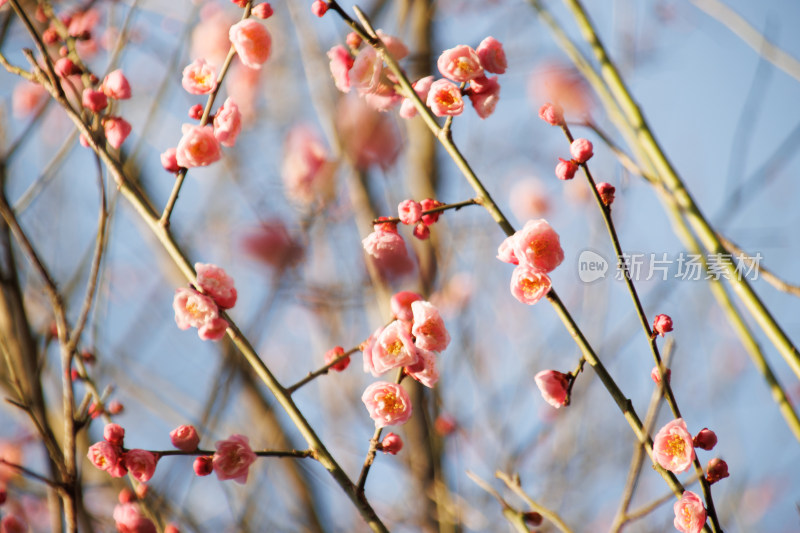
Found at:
[529, 285]
[353, 40]
[401, 305]
[319, 8]
[203, 465]
[410, 212]
[429, 329]
[391, 443]
[272, 244]
[565, 169]
[365, 74]
[106, 456]
[421, 231]
[606, 192]
[141, 464]
[198, 147]
[11, 523]
[193, 309]
[505, 252]
[333, 354]
[444, 99]
[130, 519]
[538, 246]
[393, 348]
[370, 138]
[421, 87]
[233, 458]
[445, 424]
[307, 171]
[397, 49]
[673, 448]
[717, 469]
[27, 97]
[185, 438]
[484, 97]
[169, 161]
[216, 283]
[94, 101]
[64, 67]
[388, 251]
[115, 407]
[428, 204]
[690, 515]
[196, 112]
[656, 376]
[262, 11]
[251, 41]
[172, 528]
[662, 324]
[529, 198]
[116, 86]
[425, 370]
[227, 123]
[114, 434]
[117, 130]
[341, 63]
[366, 350]
[581, 150]
[553, 386]
[705, 439]
[552, 114]
[492, 56]
[388, 404]
[460, 64]
[213, 331]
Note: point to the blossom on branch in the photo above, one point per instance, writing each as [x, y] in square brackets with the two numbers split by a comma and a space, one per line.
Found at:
[388, 404]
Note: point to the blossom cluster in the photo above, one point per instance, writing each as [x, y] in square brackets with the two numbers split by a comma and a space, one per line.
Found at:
[200, 144]
[201, 310]
[361, 67]
[110, 455]
[412, 341]
[536, 250]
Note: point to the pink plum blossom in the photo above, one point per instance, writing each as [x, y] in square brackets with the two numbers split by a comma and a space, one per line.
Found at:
[216, 283]
[690, 515]
[716, 469]
[27, 97]
[705, 439]
[393, 348]
[422, 86]
[565, 169]
[114, 434]
[252, 42]
[272, 244]
[141, 464]
[370, 137]
[391, 444]
[185, 438]
[581, 150]
[365, 74]
[528, 198]
[552, 114]
[129, 518]
[307, 170]
[505, 252]
[538, 246]
[606, 192]
[562, 84]
[198, 147]
[401, 305]
[662, 324]
[115, 85]
[410, 212]
[428, 329]
[424, 370]
[199, 77]
[106, 456]
[169, 161]
[210, 36]
[529, 285]
[673, 448]
[366, 349]
[193, 309]
[492, 56]
[319, 8]
[262, 10]
[333, 354]
[340, 63]
[444, 99]
[388, 404]
[233, 458]
[484, 96]
[117, 130]
[203, 465]
[227, 123]
[94, 101]
[460, 64]
[388, 252]
[553, 385]
[394, 45]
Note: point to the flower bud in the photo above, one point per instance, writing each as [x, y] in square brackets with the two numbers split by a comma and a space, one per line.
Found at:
[581, 150]
[606, 192]
[565, 169]
[392, 444]
[662, 324]
[552, 114]
[705, 439]
[717, 469]
[203, 465]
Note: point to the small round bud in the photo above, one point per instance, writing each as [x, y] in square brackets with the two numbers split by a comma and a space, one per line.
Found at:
[196, 112]
[421, 231]
[705, 439]
[392, 444]
[552, 114]
[333, 354]
[203, 465]
[169, 160]
[565, 169]
[717, 469]
[353, 40]
[606, 192]
[114, 434]
[662, 324]
[581, 150]
[115, 407]
[262, 11]
[656, 376]
[319, 7]
[126, 495]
